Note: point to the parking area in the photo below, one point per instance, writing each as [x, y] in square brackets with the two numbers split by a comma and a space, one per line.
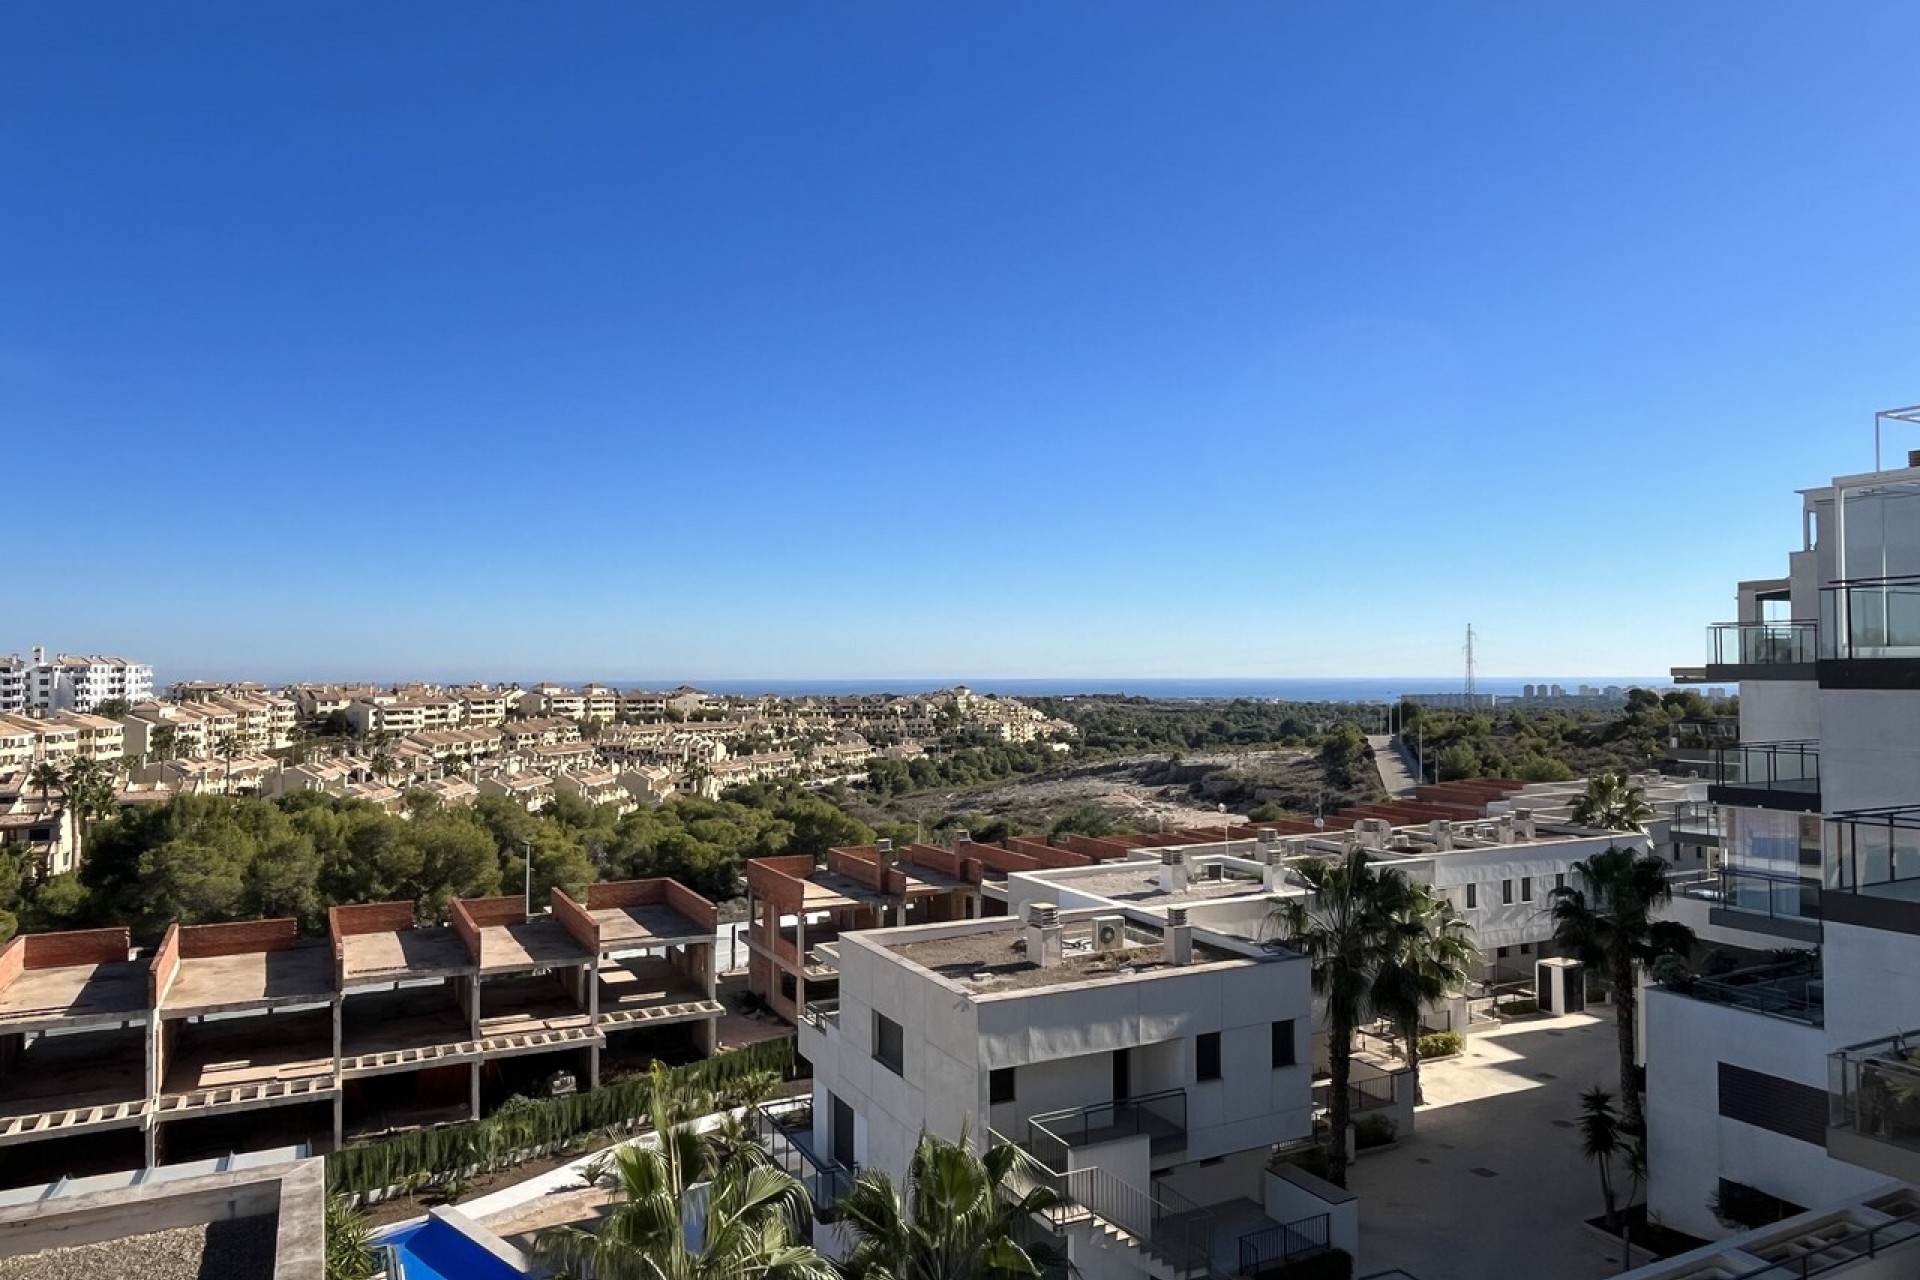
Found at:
[1493, 1184]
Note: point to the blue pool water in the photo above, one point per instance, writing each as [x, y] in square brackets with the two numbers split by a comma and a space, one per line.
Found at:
[435, 1251]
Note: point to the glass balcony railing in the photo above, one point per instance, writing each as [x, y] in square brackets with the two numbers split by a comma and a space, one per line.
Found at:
[1876, 851]
[1868, 618]
[1778, 895]
[1793, 990]
[1873, 1090]
[1787, 768]
[1759, 644]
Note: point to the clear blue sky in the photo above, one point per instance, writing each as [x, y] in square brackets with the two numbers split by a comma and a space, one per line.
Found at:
[837, 339]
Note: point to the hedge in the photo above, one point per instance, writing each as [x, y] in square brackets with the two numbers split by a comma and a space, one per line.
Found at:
[529, 1128]
[1440, 1044]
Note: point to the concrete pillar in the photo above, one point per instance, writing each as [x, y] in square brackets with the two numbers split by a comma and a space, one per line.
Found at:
[339, 1121]
[593, 1066]
[473, 1078]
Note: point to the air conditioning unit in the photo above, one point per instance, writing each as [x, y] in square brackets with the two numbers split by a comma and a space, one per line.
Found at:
[1109, 933]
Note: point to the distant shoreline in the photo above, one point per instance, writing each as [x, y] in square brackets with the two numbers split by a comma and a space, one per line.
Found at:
[1197, 688]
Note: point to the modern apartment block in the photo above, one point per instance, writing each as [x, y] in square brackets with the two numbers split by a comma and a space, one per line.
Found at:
[1145, 1066]
[1796, 1083]
[234, 1037]
[69, 682]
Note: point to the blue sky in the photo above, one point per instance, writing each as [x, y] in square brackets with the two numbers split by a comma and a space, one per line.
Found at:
[810, 340]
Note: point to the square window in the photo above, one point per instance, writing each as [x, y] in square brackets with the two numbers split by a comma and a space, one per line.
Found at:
[1206, 1056]
[889, 1044]
[1283, 1044]
[1000, 1085]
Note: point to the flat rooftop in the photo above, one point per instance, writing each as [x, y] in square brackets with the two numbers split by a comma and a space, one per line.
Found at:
[647, 925]
[398, 954]
[990, 961]
[540, 943]
[294, 975]
[236, 1249]
[75, 991]
[1139, 882]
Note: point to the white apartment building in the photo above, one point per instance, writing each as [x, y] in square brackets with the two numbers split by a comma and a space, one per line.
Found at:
[1147, 1066]
[69, 682]
[1794, 1085]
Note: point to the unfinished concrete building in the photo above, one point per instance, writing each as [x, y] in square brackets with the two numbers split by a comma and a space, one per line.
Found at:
[235, 1037]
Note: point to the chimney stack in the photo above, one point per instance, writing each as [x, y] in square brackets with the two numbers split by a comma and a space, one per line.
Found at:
[962, 837]
[1523, 821]
[1442, 832]
[1506, 828]
[1268, 847]
[1179, 937]
[1045, 938]
[1173, 871]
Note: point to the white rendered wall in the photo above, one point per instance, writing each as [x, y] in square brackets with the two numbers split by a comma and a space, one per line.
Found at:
[1870, 987]
[1869, 748]
[1691, 1146]
[1779, 710]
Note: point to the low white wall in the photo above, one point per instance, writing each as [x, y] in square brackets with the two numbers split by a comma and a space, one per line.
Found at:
[1292, 1194]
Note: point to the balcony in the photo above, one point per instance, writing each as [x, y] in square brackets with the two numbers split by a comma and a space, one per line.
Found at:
[1871, 619]
[1792, 990]
[1758, 651]
[1785, 904]
[1161, 1117]
[822, 1015]
[1873, 877]
[1695, 822]
[1873, 1095]
[1767, 775]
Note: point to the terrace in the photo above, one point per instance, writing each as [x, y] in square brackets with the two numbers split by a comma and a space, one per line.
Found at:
[1791, 989]
[1873, 1100]
[1768, 775]
[1873, 878]
[412, 1008]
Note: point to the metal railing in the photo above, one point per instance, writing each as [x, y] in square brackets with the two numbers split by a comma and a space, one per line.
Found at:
[1769, 766]
[827, 1181]
[1792, 990]
[1278, 1245]
[1756, 644]
[1363, 1094]
[1875, 847]
[1778, 895]
[1873, 1090]
[821, 1014]
[1160, 1222]
[1837, 1245]
[1162, 1117]
[1699, 818]
[1868, 618]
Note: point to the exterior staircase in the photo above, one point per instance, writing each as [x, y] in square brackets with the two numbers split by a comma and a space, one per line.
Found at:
[1156, 1232]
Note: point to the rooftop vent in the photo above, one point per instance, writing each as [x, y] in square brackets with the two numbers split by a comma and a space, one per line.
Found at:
[1179, 937]
[1173, 871]
[1045, 938]
[963, 837]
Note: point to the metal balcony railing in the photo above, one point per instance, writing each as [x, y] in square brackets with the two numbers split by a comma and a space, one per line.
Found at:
[1160, 1221]
[1876, 851]
[1787, 773]
[1874, 1090]
[1762, 644]
[822, 1015]
[1162, 1117]
[1792, 990]
[1871, 618]
[1278, 1245]
[790, 1149]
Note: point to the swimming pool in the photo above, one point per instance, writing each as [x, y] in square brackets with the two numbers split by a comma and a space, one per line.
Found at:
[438, 1249]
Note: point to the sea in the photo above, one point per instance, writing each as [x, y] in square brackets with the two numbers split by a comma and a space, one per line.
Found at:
[1299, 689]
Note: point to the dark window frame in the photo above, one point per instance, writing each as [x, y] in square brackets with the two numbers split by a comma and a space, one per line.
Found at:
[1206, 1056]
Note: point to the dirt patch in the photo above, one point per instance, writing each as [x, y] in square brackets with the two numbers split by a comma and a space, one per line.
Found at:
[1139, 792]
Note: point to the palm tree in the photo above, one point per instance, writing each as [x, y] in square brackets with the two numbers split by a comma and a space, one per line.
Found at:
[751, 1225]
[1600, 1141]
[1435, 957]
[1612, 803]
[44, 777]
[1606, 919]
[92, 794]
[1353, 927]
[228, 749]
[958, 1220]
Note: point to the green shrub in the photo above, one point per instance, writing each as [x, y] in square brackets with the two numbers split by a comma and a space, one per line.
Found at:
[1310, 1159]
[1514, 1008]
[1441, 1044]
[1374, 1130]
[527, 1129]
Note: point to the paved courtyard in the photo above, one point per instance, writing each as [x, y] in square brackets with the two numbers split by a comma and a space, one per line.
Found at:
[1491, 1187]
